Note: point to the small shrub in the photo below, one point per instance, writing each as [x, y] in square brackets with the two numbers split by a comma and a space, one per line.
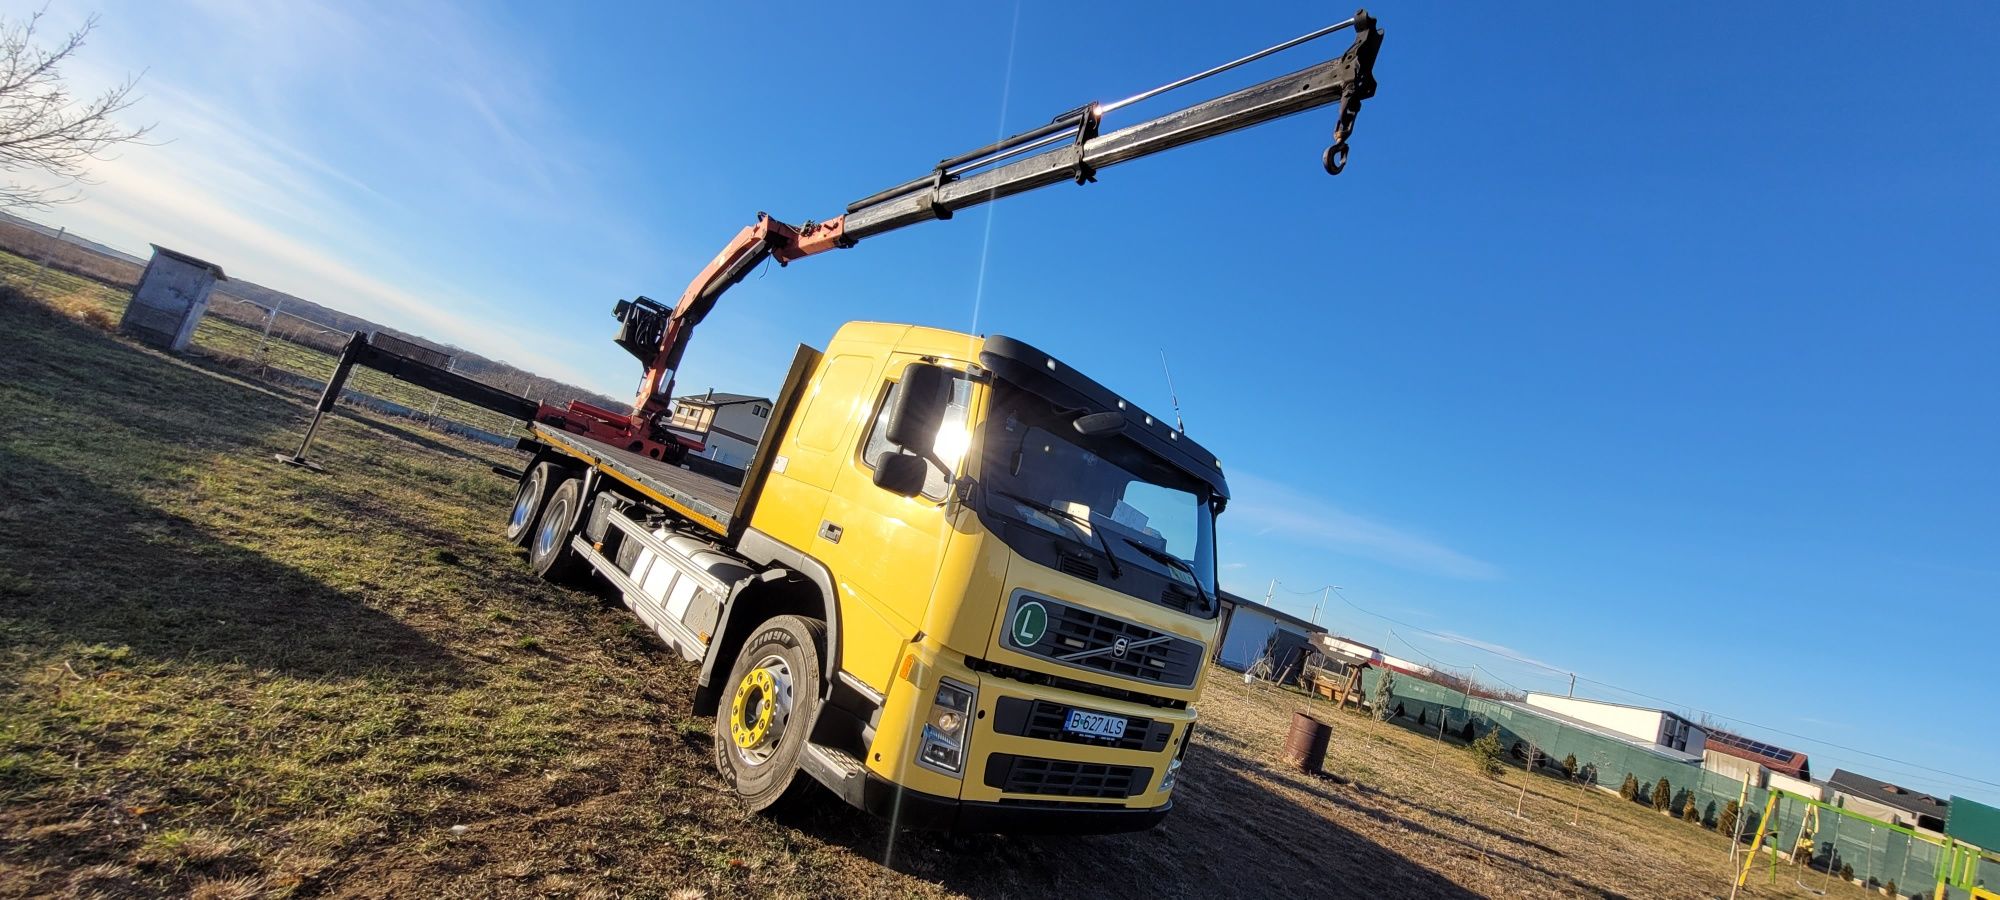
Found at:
[1691, 810]
[1726, 823]
[1385, 687]
[1891, 888]
[1630, 788]
[1486, 753]
[1569, 767]
[1846, 872]
[1663, 795]
[98, 319]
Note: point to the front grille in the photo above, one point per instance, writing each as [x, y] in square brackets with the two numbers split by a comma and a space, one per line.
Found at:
[1089, 640]
[1027, 676]
[1062, 778]
[1044, 720]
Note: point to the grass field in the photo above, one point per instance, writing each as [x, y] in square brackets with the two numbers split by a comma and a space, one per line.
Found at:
[224, 677]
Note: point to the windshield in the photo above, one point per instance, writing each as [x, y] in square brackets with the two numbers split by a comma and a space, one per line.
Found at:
[1148, 524]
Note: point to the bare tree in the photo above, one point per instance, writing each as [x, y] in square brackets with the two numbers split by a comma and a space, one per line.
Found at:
[43, 127]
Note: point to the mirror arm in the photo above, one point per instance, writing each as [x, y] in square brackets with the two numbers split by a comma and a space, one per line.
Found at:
[933, 458]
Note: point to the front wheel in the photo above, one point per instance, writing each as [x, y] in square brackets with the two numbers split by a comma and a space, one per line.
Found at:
[762, 720]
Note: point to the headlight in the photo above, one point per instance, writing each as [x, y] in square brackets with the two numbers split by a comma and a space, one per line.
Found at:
[1174, 765]
[942, 746]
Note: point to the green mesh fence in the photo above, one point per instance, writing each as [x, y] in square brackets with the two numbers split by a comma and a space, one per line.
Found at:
[1877, 855]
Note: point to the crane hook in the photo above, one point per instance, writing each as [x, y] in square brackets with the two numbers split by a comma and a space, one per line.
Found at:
[1335, 158]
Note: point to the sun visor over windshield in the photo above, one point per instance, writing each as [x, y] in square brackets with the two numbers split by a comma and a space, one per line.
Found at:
[1066, 387]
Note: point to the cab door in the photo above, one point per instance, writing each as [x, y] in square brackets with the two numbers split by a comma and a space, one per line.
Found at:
[885, 549]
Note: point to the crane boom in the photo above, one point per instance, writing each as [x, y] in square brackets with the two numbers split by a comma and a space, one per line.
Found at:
[1072, 147]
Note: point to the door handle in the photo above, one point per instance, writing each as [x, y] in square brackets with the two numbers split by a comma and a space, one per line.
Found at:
[829, 531]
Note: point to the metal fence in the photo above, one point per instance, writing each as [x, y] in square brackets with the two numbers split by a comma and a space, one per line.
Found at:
[276, 346]
[291, 349]
[1877, 855]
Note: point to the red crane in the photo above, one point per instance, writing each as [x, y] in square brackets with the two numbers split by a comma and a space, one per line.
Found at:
[1072, 147]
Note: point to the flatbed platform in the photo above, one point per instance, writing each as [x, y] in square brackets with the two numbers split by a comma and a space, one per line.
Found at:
[697, 496]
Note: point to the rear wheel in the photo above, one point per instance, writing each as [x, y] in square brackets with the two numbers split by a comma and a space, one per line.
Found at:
[529, 498]
[549, 553]
[768, 707]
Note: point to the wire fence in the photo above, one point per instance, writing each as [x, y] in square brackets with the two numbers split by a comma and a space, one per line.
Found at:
[277, 346]
[280, 344]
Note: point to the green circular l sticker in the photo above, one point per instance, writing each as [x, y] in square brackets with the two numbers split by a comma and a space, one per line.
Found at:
[1031, 621]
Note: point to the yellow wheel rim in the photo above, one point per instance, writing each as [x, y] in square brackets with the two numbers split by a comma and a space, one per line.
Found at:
[750, 713]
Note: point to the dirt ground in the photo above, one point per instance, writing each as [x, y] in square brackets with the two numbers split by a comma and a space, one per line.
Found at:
[224, 677]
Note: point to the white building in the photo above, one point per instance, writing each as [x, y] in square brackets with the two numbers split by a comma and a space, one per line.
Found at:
[1253, 631]
[1654, 726]
[1800, 786]
[728, 425]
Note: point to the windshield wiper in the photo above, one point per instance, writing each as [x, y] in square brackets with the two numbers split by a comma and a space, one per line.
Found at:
[1171, 560]
[1087, 528]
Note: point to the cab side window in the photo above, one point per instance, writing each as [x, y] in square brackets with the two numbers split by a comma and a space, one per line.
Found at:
[952, 437]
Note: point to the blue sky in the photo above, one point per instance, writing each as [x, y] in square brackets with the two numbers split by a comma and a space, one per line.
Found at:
[1655, 344]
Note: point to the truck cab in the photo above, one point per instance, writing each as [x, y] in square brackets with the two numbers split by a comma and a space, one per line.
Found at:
[1025, 569]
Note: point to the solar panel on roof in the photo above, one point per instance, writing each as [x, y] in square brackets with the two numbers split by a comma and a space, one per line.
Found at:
[1760, 748]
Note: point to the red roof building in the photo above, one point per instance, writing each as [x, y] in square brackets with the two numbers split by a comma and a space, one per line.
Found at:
[1770, 756]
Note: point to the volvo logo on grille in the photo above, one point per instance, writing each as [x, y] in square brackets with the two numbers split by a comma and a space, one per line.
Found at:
[1119, 646]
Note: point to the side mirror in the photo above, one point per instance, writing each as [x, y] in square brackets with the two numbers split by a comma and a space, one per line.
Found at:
[901, 474]
[921, 399]
[1098, 424]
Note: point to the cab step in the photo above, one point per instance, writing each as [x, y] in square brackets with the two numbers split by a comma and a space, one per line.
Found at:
[839, 770]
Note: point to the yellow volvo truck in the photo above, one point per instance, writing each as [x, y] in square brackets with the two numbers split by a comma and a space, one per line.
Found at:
[960, 583]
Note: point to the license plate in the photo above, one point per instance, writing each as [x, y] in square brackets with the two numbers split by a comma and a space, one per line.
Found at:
[1095, 724]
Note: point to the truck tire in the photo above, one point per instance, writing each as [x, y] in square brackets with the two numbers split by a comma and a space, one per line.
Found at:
[529, 498]
[767, 707]
[549, 553]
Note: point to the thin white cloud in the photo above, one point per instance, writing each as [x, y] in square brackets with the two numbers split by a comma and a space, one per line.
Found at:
[244, 170]
[1501, 649]
[214, 229]
[1273, 510]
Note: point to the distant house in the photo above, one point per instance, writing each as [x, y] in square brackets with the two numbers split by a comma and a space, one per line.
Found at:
[1756, 774]
[1657, 727]
[728, 425]
[1760, 764]
[1770, 756]
[1252, 631]
[1895, 804]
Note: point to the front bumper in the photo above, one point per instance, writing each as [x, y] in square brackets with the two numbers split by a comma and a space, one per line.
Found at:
[915, 809]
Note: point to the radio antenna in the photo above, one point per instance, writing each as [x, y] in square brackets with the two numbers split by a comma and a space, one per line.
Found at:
[1178, 424]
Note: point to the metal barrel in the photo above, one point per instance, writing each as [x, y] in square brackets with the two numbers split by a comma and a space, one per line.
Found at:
[1305, 744]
